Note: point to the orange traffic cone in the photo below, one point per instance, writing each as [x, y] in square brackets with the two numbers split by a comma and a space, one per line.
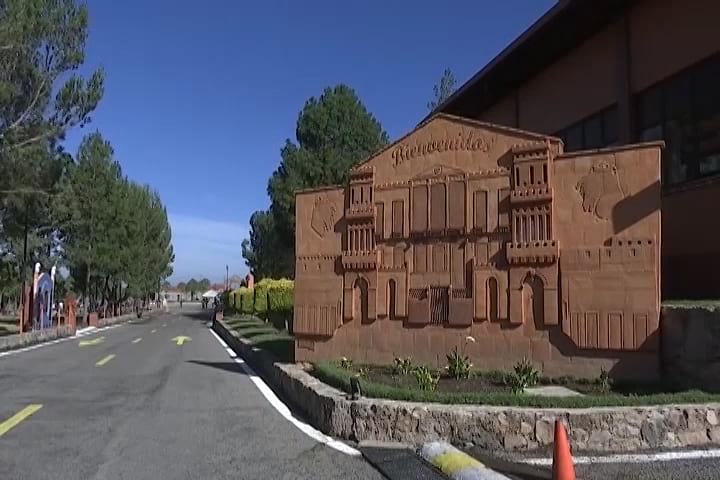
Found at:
[562, 468]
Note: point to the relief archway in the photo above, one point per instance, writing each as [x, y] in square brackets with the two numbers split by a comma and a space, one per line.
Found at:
[392, 298]
[360, 299]
[533, 301]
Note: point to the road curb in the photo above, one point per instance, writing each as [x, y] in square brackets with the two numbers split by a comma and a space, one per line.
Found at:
[457, 464]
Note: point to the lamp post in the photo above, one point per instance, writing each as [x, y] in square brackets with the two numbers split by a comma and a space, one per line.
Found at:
[227, 278]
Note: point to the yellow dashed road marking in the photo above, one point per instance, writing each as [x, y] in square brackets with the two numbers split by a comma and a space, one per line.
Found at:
[105, 360]
[13, 421]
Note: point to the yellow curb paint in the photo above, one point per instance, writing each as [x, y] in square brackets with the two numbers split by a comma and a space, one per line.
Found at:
[95, 341]
[105, 360]
[451, 463]
[137, 340]
[13, 421]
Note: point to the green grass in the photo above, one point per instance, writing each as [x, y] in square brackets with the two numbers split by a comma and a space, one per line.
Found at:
[710, 304]
[334, 375]
[8, 325]
[263, 335]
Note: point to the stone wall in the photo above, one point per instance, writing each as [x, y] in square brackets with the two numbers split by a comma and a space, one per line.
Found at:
[21, 340]
[690, 340]
[511, 428]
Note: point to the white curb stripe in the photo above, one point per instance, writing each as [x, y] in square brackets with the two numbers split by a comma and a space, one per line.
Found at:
[78, 334]
[283, 409]
[634, 458]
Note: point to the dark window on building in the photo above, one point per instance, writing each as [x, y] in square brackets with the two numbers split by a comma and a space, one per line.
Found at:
[438, 211]
[398, 212]
[380, 220]
[596, 131]
[419, 208]
[684, 111]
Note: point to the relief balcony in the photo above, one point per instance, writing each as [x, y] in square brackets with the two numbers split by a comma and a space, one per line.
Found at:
[544, 251]
[531, 194]
[361, 210]
[360, 260]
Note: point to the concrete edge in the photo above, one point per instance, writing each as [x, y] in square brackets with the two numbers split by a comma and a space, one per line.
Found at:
[27, 339]
[602, 429]
[457, 464]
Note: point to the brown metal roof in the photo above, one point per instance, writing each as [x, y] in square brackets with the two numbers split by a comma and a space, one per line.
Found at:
[566, 25]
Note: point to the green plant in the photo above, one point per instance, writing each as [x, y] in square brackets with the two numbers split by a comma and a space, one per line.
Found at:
[402, 366]
[332, 374]
[260, 300]
[426, 378]
[605, 381]
[524, 375]
[246, 296]
[458, 365]
[346, 363]
[280, 303]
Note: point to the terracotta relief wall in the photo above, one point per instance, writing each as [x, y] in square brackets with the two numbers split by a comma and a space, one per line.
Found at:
[464, 228]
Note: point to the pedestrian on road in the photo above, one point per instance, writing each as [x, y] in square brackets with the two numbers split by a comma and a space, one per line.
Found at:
[165, 305]
[181, 300]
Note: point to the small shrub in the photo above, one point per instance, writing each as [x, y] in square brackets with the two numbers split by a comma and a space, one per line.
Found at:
[362, 372]
[280, 304]
[402, 366]
[346, 363]
[246, 300]
[426, 378]
[605, 381]
[524, 375]
[260, 300]
[458, 364]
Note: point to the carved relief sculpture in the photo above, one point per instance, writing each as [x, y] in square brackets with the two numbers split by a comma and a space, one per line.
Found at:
[465, 228]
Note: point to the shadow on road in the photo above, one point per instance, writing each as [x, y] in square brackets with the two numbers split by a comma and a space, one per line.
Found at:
[227, 366]
[203, 315]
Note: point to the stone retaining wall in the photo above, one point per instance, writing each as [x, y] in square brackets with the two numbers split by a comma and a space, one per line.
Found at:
[20, 340]
[690, 340]
[511, 428]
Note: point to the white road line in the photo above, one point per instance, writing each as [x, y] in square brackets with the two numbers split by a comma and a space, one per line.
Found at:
[633, 458]
[58, 340]
[283, 410]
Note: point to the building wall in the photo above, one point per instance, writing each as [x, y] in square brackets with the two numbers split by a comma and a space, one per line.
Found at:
[572, 88]
[655, 40]
[494, 272]
[667, 36]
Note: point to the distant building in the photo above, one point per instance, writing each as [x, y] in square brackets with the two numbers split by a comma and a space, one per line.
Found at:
[613, 72]
[174, 295]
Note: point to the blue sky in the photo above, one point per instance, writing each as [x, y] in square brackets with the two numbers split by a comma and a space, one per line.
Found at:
[200, 96]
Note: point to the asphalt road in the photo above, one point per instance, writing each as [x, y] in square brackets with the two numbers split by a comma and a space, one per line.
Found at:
[644, 465]
[156, 410]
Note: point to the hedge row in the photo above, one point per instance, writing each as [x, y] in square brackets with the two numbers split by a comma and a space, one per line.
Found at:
[270, 300]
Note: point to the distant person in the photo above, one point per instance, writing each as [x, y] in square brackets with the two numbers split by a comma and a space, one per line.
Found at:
[181, 300]
[164, 304]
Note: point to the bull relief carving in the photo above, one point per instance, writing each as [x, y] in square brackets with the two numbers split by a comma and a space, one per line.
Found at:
[600, 190]
[323, 216]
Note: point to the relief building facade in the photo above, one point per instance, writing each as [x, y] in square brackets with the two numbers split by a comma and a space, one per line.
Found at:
[463, 228]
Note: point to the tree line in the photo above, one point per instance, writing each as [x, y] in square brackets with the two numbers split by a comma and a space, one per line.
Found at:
[193, 287]
[333, 133]
[109, 234]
